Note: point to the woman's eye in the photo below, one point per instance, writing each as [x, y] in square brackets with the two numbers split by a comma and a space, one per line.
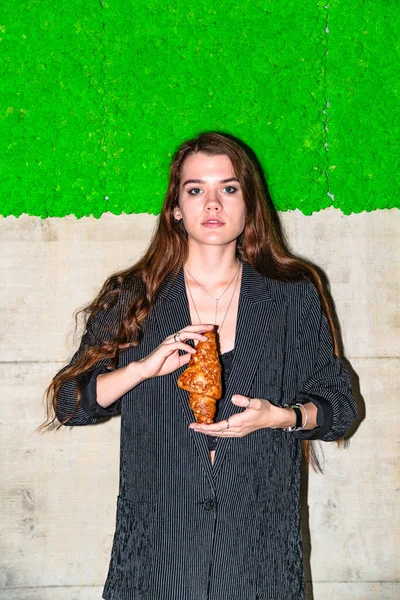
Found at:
[230, 189]
[195, 191]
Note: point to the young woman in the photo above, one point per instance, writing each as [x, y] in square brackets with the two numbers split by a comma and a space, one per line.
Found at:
[210, 511]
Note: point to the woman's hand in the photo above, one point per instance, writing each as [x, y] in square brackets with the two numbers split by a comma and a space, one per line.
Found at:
[258, 414]
[166, 358]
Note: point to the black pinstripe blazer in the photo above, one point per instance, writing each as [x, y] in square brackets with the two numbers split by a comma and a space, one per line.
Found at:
[187, 530]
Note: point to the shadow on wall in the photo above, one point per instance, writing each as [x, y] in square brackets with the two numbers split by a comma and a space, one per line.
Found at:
[361, 412]
[355, 380]
[304, 508]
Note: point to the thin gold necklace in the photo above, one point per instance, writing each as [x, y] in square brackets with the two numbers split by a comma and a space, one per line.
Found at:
[216, 300]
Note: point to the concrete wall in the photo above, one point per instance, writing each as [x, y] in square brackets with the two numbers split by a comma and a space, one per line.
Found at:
[58, 490]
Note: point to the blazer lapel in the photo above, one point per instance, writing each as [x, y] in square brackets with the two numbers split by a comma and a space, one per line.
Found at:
[256, 313]
[172, 314]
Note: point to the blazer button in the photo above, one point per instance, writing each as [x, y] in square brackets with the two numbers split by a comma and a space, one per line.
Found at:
[208, 504]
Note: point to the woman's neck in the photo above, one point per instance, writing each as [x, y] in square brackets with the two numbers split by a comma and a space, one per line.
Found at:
[214, 272]
[212, 266]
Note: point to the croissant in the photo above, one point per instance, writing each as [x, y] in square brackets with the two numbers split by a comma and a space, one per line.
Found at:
[202, 379]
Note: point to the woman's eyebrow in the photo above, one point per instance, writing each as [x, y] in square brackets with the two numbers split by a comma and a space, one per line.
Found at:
[229, 179]
[202, 180]
[194, 181]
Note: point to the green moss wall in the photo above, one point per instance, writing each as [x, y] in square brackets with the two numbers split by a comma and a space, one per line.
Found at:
[95, 96]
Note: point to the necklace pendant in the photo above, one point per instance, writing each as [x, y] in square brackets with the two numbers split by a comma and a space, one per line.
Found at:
[216, 300]
[216, 311]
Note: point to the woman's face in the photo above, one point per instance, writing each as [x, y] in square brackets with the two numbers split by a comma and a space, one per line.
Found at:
[211, 202]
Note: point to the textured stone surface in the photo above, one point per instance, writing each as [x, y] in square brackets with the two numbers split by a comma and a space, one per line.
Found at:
[54, 267]
[58, 490]
[361, 258]
[354, 505]
[58, 494]
[383, 590]
[55, 593]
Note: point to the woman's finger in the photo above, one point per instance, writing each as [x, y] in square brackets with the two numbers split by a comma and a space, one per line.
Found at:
[216, 428]
[198, 328]
[244, 401]
[248, 403]
[192, 336]
[170, 348]
[183, 336]
[222, 431]
[184, 359]
[190, 332]
[239, 423]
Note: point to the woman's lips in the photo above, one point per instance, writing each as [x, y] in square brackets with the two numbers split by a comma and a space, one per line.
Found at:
[213, 223]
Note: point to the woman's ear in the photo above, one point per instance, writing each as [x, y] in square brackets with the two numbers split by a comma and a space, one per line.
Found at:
[176, 213]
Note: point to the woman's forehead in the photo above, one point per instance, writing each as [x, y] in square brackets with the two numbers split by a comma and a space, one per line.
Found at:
[201, 166]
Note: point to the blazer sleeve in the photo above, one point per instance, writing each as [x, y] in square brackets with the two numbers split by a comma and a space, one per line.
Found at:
[322, 378]
[100, 328]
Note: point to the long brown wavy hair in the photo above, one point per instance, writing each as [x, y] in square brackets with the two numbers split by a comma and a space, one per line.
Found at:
[261, 244]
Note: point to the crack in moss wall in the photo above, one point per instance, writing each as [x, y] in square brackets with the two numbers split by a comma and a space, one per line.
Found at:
[325, 111]
[95, 98]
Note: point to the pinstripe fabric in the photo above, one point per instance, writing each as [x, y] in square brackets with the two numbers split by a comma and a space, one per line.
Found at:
[187, 530]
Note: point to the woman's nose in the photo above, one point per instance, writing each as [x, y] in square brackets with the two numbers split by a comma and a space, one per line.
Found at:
[213, 202]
